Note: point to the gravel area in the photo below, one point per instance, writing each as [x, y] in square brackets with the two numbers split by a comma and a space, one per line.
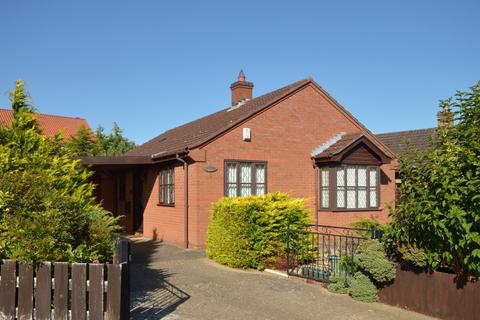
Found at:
[171, 283]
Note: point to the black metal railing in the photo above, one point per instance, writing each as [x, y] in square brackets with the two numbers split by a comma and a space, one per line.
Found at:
[319, 251]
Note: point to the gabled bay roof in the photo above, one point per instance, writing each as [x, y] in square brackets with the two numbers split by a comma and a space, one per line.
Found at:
[345, 143]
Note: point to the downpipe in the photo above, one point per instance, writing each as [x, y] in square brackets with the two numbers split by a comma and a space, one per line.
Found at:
[185, 201]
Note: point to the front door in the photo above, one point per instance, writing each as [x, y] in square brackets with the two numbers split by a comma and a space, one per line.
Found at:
[138, 179]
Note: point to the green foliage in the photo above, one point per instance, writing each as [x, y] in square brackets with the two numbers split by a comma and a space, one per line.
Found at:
[250, 232]
[339, 284]
[370, 268]
[370, 258]
[368, 225]
[82, 143]
[438, 208]
[98, 143]
[47, 209]
[413, 255]
[362, 288]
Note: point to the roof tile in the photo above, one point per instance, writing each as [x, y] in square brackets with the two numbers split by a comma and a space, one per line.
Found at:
[49, 124]
[198, 132]
[398, 141]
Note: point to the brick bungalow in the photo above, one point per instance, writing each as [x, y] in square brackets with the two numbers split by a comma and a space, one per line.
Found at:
[297, 139]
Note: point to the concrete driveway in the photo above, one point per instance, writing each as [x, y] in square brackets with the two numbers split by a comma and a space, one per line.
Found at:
[172, 283]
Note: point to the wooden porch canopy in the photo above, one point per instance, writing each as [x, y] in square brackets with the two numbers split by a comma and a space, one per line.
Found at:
[350, 149]
[116, 161]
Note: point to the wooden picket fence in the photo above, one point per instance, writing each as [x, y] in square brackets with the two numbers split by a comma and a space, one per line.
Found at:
[60, 290]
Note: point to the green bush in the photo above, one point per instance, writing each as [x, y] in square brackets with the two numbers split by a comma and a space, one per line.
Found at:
[368, 225]
[370, 268]
[362, 288]
[47, 207]
[371, 259]
[412, 255]
[438, 201]
[339, 284]
[251, 232]
[39, 224]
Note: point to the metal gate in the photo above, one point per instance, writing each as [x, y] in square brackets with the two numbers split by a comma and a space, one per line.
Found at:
[319, 251]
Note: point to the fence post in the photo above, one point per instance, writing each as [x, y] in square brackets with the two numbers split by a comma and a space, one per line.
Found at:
[123, 256]
[125, 313]
[122, 251]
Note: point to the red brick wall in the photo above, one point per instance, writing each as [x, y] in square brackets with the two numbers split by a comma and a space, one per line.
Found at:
[163, 222]
[284, 136]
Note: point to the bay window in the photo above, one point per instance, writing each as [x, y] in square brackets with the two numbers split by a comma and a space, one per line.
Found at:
[349, 187]
[245, 178]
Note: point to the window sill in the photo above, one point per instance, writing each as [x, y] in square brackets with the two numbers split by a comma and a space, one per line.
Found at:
[165, 205]
[349, 210]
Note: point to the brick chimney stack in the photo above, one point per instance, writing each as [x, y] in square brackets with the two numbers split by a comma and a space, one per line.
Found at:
[445, 118]
[242, 90]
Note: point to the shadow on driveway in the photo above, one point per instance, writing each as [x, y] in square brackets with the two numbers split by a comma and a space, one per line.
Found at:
[172, 283]
[152, 296]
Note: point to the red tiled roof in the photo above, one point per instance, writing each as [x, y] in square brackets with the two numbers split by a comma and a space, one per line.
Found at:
[340, 145]
[49, 124]
[199, 132]
[416, 139]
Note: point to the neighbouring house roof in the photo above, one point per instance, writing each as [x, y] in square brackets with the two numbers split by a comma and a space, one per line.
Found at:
[398, 141]
[199, 132]
[335, 149]
[49, 124]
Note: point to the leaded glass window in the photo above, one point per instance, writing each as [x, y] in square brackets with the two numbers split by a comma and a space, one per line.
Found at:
[354, 187]
[245, 178]
[260, 179]
[373, 187]
[351, 187]
[231, 180]
[166, 186]
[340, 187]
[325, 187]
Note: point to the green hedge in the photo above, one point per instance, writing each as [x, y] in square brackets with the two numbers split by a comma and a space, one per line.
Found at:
[250, 232]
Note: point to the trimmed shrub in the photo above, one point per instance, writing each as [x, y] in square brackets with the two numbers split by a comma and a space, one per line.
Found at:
[370, 268]
[339, 284]
[251, 232]
[370, 258]
[362, 288]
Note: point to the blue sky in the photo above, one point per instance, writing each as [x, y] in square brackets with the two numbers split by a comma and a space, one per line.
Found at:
[153, 65]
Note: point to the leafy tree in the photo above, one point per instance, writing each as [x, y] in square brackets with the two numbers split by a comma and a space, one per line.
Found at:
[47, 208]
[113, 144]
[438, 208]
[86, 143]
[83, 142]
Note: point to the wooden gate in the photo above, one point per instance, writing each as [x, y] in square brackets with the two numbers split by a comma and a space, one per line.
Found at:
[61, 290]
